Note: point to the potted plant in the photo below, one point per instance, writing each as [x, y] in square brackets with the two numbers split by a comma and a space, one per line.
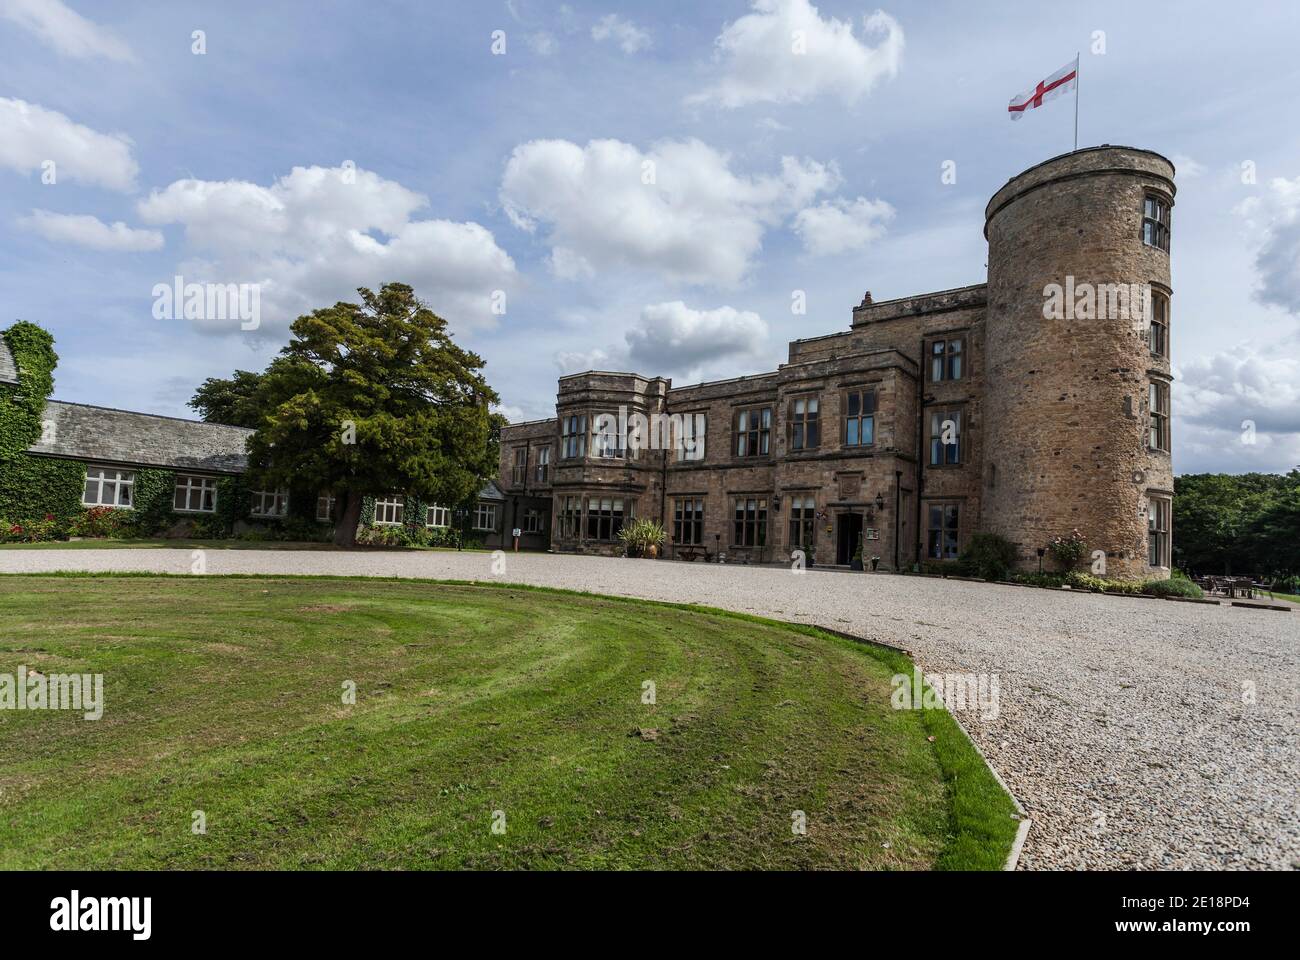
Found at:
[810, 554]
[856, 562]
[631, 544]
[642, 538]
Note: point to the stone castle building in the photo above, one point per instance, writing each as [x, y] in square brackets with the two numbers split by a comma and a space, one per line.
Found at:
[931, 418]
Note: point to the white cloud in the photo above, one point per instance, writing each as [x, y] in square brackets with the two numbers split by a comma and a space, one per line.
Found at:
[674, 338]
[1275, 217]
[841, 226]
[88, 231]
[1187, 167]
[65, 30]
[543, 44]
[784, 52]
[31, 136]
[312, 237]
[574, 361]
[625, 33]
[677, 208]
[1217, 397]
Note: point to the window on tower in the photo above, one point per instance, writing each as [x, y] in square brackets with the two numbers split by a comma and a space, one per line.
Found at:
[1155, 223]
[1159, 332]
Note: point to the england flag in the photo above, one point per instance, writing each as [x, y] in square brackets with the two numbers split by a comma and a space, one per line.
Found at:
[1063, 81]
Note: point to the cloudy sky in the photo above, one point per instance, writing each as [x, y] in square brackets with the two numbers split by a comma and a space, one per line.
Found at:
[628, 186]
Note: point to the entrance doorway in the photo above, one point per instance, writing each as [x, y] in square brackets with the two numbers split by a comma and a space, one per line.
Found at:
[849, 537]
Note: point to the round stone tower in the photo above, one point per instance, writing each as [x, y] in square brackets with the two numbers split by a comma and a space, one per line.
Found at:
[1072, 367]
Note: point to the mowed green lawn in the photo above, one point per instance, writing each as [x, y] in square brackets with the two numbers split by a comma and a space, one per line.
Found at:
[474, 705]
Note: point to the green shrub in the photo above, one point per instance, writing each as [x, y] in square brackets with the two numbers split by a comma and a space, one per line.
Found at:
[303, 530]
[48, 527]
[100, 522]
[1173, 587]
[944, 568]
[988, 556]
[1086, 581]
[444, 537]
[1040, 579]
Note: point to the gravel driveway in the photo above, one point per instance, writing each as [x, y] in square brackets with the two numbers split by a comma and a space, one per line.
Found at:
[1138, 733]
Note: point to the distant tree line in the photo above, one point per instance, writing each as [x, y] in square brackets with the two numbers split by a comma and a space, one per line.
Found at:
[1245, 525]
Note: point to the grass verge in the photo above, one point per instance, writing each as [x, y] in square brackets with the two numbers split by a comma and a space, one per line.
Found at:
[223, 695]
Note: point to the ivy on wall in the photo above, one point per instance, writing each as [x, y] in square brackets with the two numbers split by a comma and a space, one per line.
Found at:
[32, 488]
[414, 513]
[22, 405]
[155, 493]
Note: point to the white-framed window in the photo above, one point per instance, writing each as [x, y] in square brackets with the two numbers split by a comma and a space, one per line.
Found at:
[325, 506]
[195, 494]
[388, 510]
[543, 464]
[106, 487]
[485, 516]
[270, 503]
[437, 516]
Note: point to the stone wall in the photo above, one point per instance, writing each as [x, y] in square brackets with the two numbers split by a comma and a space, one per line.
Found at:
[1067, 402]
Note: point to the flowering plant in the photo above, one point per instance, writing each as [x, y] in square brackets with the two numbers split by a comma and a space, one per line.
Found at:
[1068, 551]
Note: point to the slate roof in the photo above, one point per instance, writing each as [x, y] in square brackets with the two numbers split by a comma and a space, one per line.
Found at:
[105, 435]
[8, 369]
[491, 491]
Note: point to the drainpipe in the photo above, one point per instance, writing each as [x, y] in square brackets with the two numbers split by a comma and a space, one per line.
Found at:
[898, 499]
[920, 448]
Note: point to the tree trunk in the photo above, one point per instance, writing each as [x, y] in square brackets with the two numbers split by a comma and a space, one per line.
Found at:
[345, 530]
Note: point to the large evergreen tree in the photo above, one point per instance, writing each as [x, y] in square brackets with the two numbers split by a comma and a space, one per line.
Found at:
[1246, 524]
[367, 398]
[233, 401]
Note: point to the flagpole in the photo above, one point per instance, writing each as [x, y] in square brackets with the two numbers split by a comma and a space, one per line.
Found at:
[1076, 100]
